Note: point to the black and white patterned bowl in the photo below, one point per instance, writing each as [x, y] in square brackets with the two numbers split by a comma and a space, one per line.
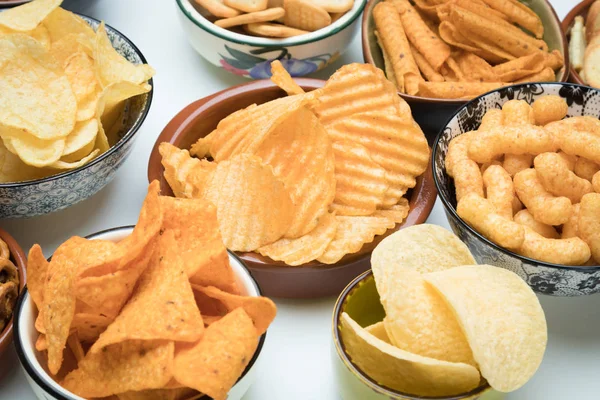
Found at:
[56, 192]
[543, 277]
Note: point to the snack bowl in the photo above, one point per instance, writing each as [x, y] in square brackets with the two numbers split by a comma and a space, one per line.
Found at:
[20, 261]
[12, 3]
[580, 9]
[360, 301]
[543, 277]
[432, 113]
[251, 56]
[42, 196]
[42, 383]
[277, 279]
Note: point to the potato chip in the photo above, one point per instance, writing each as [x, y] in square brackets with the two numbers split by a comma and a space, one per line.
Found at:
[131, 365]
[282, 78]
[33, 151]
[28, 16]
[253, 207]
[359, 181]
[71, 44]
[112, 68]
[37, 270]
[186, 175]
[62, 23]
[162, 306]
[401, 370]
[79, 69]
[396, 213]
[351, 234]
[261, 309]
[378, 330]
[161, 394]
[87, 108]
[89, 326]
[502, 320]
[345, 210]
[12, 169]
[301, 155]
[305, 248]
[81, 138]
[42, 35]
[213, 364]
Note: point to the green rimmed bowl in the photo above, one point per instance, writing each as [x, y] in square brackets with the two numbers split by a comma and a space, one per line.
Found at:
[360, 301]
[251, 56]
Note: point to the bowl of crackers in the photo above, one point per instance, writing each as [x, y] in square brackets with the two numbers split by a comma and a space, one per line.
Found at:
[159, 309]
[244, 36]
[427, 322]
[445, 52]
[582, 26]
[517, 171]
[88, 90]
[305, 183]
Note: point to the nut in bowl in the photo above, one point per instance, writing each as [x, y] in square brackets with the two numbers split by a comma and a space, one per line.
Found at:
[527, 204]
[90, 93]
[245, 54]
[327, 178]
[156, 309]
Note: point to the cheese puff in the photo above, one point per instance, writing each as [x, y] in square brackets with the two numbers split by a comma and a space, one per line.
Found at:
[548, 109]
[542, 205]
[499, 190]
[576, 136]
[525, 218]
[569, 159]
[457, 150]
[570, 228]
[492, 118]
[514, 163]
[553, 172]
[596, 182]
[485, 166]
[467, 179]
[516, 204]
[517, 112]
[514, 139]
[481, 215]
[585, 168]
[589, 223]
[572, 251]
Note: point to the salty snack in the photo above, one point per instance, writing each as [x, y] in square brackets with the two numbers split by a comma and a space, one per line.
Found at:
[584, 45]
[63, 91]
[274, 19]
[310, 176]
[450, 325]
[459, 49]
[535, 158]
[165, 332]
[9, 285]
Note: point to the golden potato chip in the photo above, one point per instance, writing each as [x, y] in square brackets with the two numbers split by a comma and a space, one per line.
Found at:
[345, 210]
[79, 69]
[28, 16]
[89, 326]
[301, 155]
[127, 366]
[37, 270]
[396, 213]
[261, 309]
[62, 23]
[352, 233]
[213, 364]
[70, 44]
[378, 330]
[33, 151]
[13, 169]
[359, 181]
[305, 248]
[87, 108]
[253, 207]
[186, 175]
[162, 306]
[81, 138]
[401, 370]
[42, 35]
[282, 78]
[501, 318]
[61, 164]
[112, 68]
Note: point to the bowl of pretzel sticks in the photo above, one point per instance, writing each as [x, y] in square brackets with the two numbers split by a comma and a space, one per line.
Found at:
[446, 52]
[244, 36]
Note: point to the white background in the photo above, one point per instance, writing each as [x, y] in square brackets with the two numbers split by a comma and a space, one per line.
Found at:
[295, 361]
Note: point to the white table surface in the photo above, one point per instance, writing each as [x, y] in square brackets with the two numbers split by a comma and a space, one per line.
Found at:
[295, 361]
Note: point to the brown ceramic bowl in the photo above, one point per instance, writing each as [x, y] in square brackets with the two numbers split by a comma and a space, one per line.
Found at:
[18, 258]
[431, 113]
[580, 9]
[276, 279]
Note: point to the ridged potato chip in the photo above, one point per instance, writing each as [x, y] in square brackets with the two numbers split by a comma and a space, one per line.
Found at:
[282, 78]
[186, 175]
[397, 212]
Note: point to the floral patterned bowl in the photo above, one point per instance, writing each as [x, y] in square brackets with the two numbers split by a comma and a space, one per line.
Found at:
[56, 192]
[251, 56]
[543, 277]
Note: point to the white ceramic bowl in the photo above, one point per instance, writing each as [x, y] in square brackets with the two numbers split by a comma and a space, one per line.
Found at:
[25, 335]
[250, 56]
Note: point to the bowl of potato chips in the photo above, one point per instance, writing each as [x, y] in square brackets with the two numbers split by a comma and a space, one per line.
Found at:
[160, 308]
[444, 52]
[73, 94]
[427, 322]
[517, 171]
[306, 184]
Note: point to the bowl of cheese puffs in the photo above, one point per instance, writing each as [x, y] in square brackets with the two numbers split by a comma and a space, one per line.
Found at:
[517, 171]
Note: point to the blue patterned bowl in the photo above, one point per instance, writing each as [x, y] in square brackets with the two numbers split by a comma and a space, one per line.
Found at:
[543, 277]
[56, 192]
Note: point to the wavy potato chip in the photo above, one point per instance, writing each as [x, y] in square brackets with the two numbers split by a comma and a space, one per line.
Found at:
[396, 213]
[186, 175]
[28, 16]
[282, 78]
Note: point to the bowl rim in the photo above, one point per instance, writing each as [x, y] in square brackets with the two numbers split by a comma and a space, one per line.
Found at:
[579, 9]
[130, 133]
[34, 374]
[448, 207]
[363, 377]
[368, 58]
[197, 19]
